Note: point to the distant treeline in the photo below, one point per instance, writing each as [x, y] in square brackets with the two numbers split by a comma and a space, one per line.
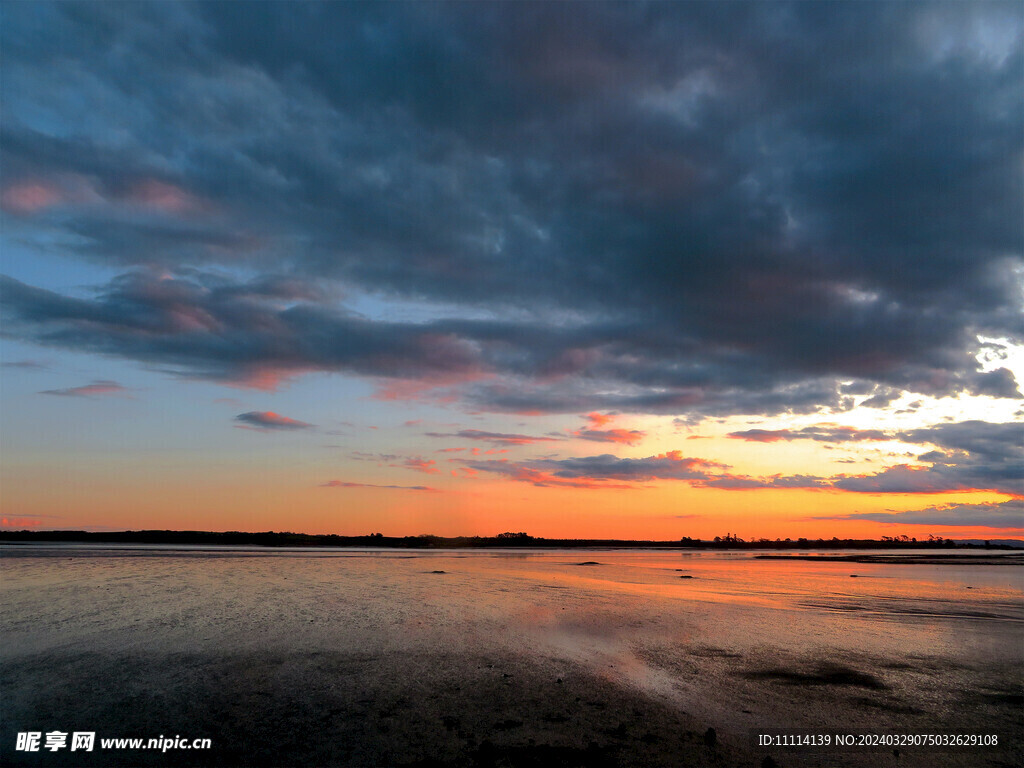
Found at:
[520, 539]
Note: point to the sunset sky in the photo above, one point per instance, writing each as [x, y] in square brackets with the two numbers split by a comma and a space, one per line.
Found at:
[576, 269]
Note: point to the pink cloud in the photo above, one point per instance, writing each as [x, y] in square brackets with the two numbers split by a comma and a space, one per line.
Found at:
[428, 466]
[265, 378]
[89, 390]
[29, 197]
[164, 197]
[489, 451]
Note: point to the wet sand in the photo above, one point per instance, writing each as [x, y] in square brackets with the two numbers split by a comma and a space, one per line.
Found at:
[506, 660]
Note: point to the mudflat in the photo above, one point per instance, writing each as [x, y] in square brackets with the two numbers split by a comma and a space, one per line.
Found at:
[333, 658]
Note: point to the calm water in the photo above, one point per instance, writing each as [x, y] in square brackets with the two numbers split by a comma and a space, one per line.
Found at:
[733, 600]
[744, 643]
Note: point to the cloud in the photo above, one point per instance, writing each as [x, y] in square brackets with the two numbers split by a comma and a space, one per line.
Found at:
[268, 420]
[428, 466]
[742, 483]
[545, 479]
[596, 434]
[608, 471]
[251, 334]
[1005, 514]
[981, 456]
[701, 210]
[599, 471]
[622, 436]
[97, 388]
[343, 484]
[598, 420]
[825, 433]
[497, 438]
[32, 521]
[971, 455]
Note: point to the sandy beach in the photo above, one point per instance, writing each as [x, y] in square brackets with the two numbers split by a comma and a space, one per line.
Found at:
[323, 658]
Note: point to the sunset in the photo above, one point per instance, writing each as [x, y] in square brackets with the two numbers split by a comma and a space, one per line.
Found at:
[750, 272]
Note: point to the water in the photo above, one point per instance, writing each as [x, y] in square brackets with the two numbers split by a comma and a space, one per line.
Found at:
[744, 643]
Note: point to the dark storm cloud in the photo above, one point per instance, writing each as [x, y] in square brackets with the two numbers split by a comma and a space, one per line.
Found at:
[229, 333]
[260, 332]
[741, 205]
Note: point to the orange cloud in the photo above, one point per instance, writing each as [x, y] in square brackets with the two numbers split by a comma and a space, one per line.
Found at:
[595, 433]
[20, 522]
[488, 452]
[428, 466]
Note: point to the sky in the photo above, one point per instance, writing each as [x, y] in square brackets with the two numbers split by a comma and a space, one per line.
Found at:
[576, 269]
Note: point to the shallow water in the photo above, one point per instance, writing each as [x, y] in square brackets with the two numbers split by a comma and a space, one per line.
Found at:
[732, 599]
[745, 642]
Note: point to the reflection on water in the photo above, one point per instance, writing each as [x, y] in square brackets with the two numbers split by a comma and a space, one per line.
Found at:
[733, 597]
[758, 634]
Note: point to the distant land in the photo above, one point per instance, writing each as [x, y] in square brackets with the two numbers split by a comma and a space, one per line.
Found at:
[508, 539]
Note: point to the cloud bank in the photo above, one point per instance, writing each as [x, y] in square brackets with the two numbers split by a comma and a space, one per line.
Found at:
[692, 209]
